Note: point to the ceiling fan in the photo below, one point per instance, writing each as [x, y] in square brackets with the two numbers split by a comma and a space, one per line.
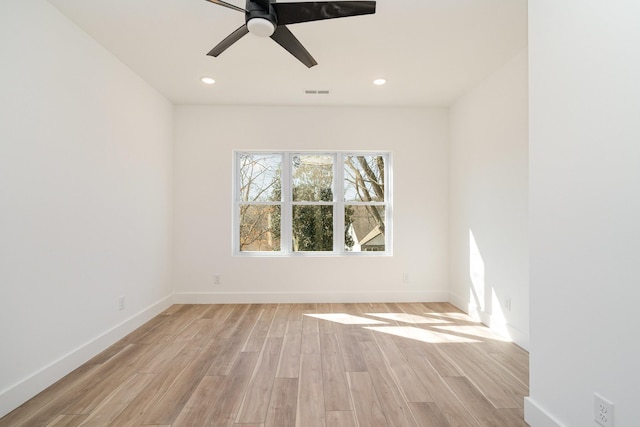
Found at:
[266, 18]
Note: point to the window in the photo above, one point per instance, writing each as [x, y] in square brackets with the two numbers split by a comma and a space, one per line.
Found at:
[320, 203]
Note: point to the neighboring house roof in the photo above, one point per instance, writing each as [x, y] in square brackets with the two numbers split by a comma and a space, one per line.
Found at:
[366, 231]
[362, 226]
[374, 238]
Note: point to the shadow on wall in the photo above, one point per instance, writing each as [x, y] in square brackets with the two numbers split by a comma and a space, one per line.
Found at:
[484, 301]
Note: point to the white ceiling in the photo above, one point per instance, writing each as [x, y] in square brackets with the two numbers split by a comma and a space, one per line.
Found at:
[430, 51]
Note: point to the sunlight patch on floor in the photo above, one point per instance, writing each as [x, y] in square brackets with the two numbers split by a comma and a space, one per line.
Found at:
[407, 318]
[453, 316]
[424, 335]
[346, 319]
[480, 332]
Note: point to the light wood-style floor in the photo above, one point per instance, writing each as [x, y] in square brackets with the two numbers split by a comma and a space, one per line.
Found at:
[301, 365]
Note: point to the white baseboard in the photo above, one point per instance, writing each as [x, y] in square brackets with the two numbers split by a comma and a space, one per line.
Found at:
[307, 297]
[461, 303]
[19, 393]
[518, 337]
[536, 416]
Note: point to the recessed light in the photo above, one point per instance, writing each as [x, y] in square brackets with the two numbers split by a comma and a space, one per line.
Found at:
[379, 82]
[207, 80]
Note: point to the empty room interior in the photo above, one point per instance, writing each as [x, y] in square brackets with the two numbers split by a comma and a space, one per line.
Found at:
[495, 282]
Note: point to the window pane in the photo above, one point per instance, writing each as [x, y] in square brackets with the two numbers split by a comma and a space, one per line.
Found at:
[364, 228]
[259, 228]
[260, 177]
[312, 228]
[312, 178]
[364, 179]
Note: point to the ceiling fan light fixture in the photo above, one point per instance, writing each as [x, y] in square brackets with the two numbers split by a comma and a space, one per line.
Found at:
[268, 18]
[261, 27]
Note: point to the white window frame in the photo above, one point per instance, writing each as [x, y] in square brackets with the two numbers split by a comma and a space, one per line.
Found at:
[338, 203]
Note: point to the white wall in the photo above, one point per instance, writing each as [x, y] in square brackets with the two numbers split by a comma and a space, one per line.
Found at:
[584, 210]
[488, 179]
[85, 197]
[205, 138]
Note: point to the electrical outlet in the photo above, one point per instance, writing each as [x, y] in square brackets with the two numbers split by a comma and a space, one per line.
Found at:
[121, 303]
[216, 279]
[602, 411]
[405, 277]
[507, 303]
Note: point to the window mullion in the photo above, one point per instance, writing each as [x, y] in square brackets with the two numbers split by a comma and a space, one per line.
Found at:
[287, 208]
[338, 209]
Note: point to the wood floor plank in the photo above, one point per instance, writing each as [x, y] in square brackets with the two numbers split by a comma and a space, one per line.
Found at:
[310, 403]
[228, 349]
[516, 363]
[451, 407]
[199, 406]
[503, 390]
[247, 323]
[67, 421]
[479, 406]
[111, 350]
[256, 399]
[336, 365]
[415, 308]
[514, 417]
[191, 331]
[135, 413]
[334, 379]
[203, 337]
[295, 313]
[283, 403]
[345, 308]
[395, 407]
[232, 321]
[159, 355]
[225, 408]
[324, 326]
[48, 404]
[255, 341]
[116, 402]
[310, 343]
[217, 323]
[279, 324]
[413, 389]
[224, 353]
[366, 405]
[167, 408]
[349, 339]
[289, 363]
[428, 414]
[439, 360]
[219, 313]
[148, 332]
[340, 419]
[188, 314]
[105, 380]
[173, 310]
[310, 334]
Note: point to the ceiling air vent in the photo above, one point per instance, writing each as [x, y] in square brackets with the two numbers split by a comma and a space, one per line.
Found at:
[317, 92]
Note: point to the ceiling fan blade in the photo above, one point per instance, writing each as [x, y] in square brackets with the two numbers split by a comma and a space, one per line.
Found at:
[287, 40]
[264, 4]
[225, 4]
[228, 41]
[293, 13]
